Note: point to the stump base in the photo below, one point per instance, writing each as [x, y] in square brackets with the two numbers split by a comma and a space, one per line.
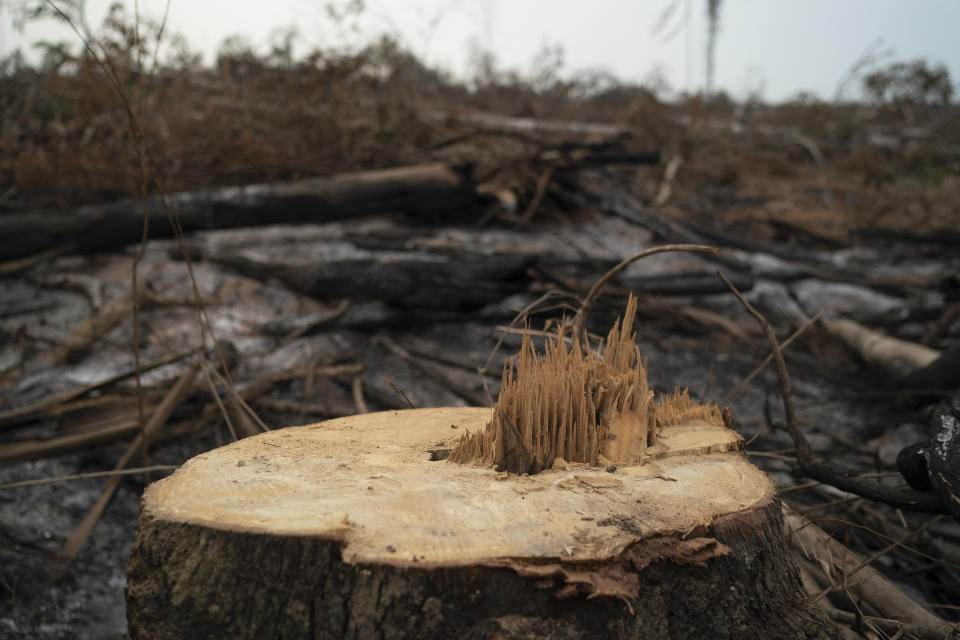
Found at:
[608, 565]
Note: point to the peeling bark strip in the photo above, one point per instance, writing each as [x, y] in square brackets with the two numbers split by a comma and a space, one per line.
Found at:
[424, 190]
[618, 577]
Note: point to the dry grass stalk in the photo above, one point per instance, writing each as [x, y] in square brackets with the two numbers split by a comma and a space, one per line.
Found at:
[580, 407]
[177, 394]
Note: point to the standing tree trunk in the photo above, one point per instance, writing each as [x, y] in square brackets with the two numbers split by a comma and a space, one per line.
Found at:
[713, 25]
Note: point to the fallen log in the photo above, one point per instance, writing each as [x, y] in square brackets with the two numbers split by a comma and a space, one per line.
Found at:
[406, 266]
[422, 190]
[412, 279]
[686, 284]
[854, 575]
[535, 126]
[898, 358]
[941, 375]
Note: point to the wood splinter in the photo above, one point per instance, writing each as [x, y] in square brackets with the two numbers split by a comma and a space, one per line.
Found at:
[578, 407]
[580, 506]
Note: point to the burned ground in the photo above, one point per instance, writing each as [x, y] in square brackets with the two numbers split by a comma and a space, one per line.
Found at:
[814, 207]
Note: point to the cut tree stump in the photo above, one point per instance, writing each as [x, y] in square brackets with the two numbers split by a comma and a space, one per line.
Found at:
[361, 528]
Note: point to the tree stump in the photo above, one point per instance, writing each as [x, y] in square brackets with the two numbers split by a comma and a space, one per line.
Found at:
[361, 527]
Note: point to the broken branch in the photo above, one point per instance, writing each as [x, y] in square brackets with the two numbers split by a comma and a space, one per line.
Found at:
[818, 469]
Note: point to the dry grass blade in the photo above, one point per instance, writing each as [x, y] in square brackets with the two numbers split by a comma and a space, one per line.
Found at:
[13, 267]
[810, 485]
[51, 404]
[34, 449]
[180, 391]
[517, 319]
[91, 474]
[146, 165]
[337, 313]
[357, 389]
[666, 186]
[237, 398]
[538, 333]
[894, 542]
[216, 397]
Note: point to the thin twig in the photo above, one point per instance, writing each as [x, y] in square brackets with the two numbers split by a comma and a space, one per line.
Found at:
[22, 414]
[818, 469]
[180, 391]
[137, 133]
[894, 542]
[666, 185]
[766, 361]
[768, 454]
[135, 305]
[580, 320]
[399, 391]
[877, 625]
[811, 485]
[521, 315]
[803, 447]
[12, 267]
[507, 330]
[337, 313]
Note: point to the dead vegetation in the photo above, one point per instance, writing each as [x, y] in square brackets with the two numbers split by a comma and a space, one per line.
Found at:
[847, 209]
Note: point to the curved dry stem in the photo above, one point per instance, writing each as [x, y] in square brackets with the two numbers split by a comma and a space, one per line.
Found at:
[580, 320]
[149, 168]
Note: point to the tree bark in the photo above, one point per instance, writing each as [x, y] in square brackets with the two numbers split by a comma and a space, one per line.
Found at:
[357, 528]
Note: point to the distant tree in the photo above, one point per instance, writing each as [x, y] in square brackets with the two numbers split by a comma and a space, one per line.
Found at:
[546, 67]
[907, 90]
[55, 54]
[910, 83]
[236, 57]
[72, 12]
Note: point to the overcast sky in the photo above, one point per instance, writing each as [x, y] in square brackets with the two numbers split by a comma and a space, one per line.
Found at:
[773, 46]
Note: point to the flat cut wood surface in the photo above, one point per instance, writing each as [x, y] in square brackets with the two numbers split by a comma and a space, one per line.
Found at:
[368, 481]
